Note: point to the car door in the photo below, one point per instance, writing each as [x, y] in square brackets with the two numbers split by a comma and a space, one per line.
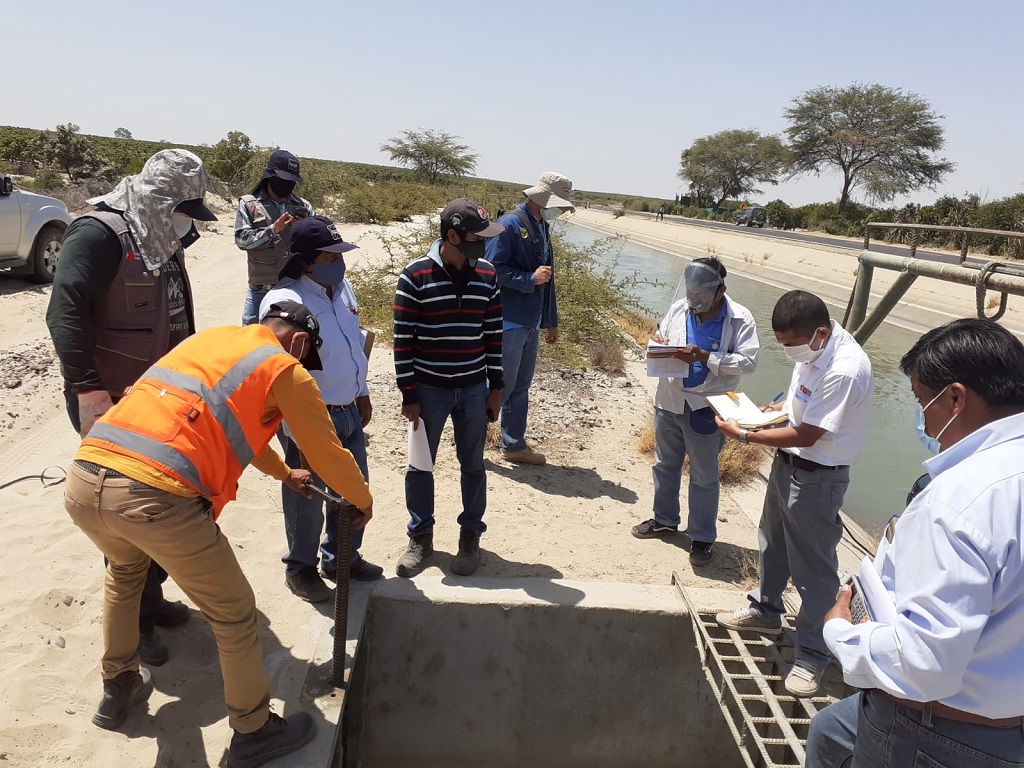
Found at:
[10, 224]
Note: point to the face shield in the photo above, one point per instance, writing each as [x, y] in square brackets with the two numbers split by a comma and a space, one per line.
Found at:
[700, 284]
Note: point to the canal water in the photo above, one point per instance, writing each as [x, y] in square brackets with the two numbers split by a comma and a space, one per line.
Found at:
[891, 458]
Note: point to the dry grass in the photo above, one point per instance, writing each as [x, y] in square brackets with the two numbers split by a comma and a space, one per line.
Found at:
[493, 439]
[645, 438]
[748, 572]
[607, 358]
[992, 302]
[638, 327]
[737, 463]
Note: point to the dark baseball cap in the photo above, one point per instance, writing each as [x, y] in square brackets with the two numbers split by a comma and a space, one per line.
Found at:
[196, 209]
[300, 316]
[310, 236]
[465, 215]
[284, 165]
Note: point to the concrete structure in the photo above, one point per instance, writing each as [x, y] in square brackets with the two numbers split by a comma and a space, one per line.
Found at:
[530, 672]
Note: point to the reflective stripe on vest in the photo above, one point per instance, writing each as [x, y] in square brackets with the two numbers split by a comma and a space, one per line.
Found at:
[154, 449]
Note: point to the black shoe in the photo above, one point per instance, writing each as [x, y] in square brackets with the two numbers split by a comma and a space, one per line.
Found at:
[420, 548]
[468, 559]
[120, 694]
[171, 614]
[151, 650]
[652, 529]
[308, 585]
[700, 552]
[362, 570]
[278, 736]
[329, 570]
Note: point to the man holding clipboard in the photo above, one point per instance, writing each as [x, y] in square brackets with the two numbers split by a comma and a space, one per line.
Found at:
[717, 339]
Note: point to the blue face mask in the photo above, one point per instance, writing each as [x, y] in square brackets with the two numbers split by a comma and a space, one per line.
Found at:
[550, 214]
[929, 442]
[330, 274]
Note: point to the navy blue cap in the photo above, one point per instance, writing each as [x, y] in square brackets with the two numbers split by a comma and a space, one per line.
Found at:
[310, 236]
[284, 165]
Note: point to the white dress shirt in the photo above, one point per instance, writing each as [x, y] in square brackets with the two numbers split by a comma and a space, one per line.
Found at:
[836, 393]
[955, 571]
[344, 375]
[735, 356]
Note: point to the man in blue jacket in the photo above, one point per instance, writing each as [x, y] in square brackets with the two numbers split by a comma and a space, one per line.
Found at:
[524, 261]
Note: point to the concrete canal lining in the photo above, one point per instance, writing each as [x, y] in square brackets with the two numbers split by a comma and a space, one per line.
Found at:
[529, 672]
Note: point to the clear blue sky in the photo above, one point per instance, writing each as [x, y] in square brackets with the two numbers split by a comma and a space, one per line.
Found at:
[608, 93]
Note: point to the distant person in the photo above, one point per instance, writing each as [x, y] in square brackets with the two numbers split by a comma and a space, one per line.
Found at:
[524, 260]
[661, 214]
[448, 363]
[942, 680]
[314, 276]
[156, 471]
[262, 226]
[121, 299]
[829, 405]
[719, 341]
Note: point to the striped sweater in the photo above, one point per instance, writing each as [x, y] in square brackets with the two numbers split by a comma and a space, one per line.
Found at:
[443, 339]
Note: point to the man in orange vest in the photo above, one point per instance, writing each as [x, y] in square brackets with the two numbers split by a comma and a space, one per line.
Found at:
[154, 473]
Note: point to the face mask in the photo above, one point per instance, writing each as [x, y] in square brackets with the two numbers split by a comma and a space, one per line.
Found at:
[302, 348]
[329, 274]
[281, 187]
[698, 307]
[550, 214]
[182, 224]
[803, 353]
[473, 250]
[929, 442]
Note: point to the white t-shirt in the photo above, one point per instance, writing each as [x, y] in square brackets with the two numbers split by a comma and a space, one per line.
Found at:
[836, 393]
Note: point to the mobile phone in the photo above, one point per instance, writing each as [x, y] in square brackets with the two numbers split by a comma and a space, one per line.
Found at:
[858, 607]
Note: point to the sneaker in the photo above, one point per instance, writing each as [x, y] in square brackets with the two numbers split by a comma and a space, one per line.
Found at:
[278, 736]
[152, 650]
[746, 620]
[803, 681]
[420, 548]
[171, 614]
[307, 585]
[120, 694]
[364, 570]
[468, 559]
[652, 529]
[525, 456]
[700, 552]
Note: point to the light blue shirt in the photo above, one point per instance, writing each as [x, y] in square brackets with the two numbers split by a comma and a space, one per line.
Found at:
[344, 375]
[955, 571]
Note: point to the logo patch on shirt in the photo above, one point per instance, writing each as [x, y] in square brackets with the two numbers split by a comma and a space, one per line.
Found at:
[804, 391]
[523, 233]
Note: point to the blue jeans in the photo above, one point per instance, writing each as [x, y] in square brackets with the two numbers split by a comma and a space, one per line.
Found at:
[253, 298]
[869, 730]
[468, 408]
[674, 439]
[304, 518]
[799, 531]
[518, 362]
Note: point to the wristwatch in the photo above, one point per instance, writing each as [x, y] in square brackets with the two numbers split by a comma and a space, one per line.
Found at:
[743, 435]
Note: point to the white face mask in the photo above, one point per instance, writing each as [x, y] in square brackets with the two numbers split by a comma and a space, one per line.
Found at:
[550, 214]
[182, 224]
[804, 353]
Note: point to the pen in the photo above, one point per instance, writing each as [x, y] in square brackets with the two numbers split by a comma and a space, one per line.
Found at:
[777, 398]
[734, 397]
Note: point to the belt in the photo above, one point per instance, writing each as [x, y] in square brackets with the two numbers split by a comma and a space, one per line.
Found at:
[341, 407]
[801, 463]
[94, 469]
[937, 709]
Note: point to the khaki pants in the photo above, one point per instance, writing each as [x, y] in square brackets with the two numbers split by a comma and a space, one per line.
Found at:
[130, 523]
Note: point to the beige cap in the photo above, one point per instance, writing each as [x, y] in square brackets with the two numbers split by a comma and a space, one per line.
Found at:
[551, 191]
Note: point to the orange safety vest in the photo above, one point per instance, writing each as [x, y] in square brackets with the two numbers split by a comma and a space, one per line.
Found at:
[196, 413]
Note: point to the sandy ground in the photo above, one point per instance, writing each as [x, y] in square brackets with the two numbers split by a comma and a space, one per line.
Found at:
[569, 520]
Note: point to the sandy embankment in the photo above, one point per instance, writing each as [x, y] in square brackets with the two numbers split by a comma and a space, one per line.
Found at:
[569, 520]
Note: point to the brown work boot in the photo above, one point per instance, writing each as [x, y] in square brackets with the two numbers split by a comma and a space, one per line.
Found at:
[525, 456]
[278, 736]
[420, 548]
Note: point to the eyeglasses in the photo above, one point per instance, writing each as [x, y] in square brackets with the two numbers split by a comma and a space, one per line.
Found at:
[313, 328]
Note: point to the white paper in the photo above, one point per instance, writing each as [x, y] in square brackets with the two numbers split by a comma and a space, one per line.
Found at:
[419, 449]
[746, 412]
[880, 606]
[665, 367]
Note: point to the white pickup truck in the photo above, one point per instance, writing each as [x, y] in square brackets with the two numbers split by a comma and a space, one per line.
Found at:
[31, 230]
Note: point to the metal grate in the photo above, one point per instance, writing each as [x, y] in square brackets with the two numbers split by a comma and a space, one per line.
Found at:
[746, 673]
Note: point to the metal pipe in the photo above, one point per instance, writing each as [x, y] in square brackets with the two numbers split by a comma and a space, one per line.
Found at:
[952, 273]
[861, 294]
[896, 292]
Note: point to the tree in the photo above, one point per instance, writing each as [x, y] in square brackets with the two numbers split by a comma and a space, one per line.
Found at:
[123, 133]
[229, 156]
[71, 152]
[730, 163]
[432, 154]
[880, 138]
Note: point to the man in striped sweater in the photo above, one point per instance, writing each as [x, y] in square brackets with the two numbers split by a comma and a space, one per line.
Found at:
[448, 363]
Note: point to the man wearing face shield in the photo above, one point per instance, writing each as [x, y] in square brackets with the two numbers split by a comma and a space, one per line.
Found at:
[121, 299]
[945, 679]
[718, 337]
[524, 261]
[314, 276]
[829, 405]
[263, 226]
[448, 363]
[153, 476]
